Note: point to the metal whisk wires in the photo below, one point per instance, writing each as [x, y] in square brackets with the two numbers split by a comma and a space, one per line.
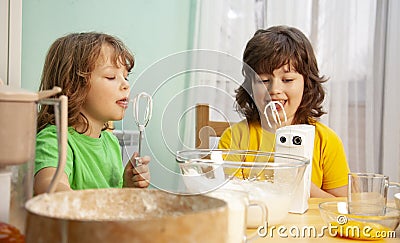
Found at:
[147, 116]
[275, 114]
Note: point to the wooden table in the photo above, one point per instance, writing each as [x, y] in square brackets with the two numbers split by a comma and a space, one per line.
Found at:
[311, 218]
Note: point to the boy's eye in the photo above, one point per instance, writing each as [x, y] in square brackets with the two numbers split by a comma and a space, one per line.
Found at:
[265, 80]
[110, 78]
[127, 76]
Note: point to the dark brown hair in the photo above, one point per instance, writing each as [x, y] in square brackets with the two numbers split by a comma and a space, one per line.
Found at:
[270, 49]
[68, 65]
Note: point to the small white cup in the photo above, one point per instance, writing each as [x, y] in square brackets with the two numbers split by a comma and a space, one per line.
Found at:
[238, 204]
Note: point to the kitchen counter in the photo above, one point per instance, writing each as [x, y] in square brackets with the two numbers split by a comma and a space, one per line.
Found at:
[311, 218]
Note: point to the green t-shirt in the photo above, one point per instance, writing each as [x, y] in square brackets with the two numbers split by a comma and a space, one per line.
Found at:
[91, 162]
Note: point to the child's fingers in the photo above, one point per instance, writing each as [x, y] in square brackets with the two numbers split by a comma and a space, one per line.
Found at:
[140, 169]
[144, 160]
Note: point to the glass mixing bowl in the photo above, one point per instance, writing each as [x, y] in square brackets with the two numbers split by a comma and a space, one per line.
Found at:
[268, 177]
[342, 224]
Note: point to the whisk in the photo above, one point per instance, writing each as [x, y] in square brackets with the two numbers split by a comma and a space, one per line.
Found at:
[275, 114]
[141, 124]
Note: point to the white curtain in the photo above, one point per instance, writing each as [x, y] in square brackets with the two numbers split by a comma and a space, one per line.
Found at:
[390, 143]
[223, 26]
[356, 44]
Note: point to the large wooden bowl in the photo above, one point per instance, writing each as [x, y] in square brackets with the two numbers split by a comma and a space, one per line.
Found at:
[125, 215]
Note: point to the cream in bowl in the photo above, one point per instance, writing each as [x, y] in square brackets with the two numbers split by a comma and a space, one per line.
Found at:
[271, 178]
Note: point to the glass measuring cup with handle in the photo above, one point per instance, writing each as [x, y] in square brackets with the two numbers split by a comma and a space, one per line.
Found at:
[367, 193]
[141, 123]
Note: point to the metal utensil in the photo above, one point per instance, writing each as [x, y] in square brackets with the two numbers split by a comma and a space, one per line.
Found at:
[141, 124]
[275, 114]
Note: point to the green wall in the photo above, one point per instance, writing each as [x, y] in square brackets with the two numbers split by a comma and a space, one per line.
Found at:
[152, 29]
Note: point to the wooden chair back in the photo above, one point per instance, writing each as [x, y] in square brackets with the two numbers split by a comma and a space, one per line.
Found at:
[206, 128]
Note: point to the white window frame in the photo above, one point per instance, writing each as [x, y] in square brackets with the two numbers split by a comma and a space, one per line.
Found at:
[10, 41]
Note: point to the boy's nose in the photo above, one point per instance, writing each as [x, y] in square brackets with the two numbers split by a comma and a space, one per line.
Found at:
[125, 85]
[275, 87]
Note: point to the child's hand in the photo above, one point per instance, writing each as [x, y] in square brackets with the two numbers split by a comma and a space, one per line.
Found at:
[137, 176]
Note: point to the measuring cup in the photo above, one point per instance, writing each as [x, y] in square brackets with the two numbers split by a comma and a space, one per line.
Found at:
[141, 123]
[367, 193]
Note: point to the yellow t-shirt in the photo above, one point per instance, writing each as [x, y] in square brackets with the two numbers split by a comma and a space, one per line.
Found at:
[329, 165]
